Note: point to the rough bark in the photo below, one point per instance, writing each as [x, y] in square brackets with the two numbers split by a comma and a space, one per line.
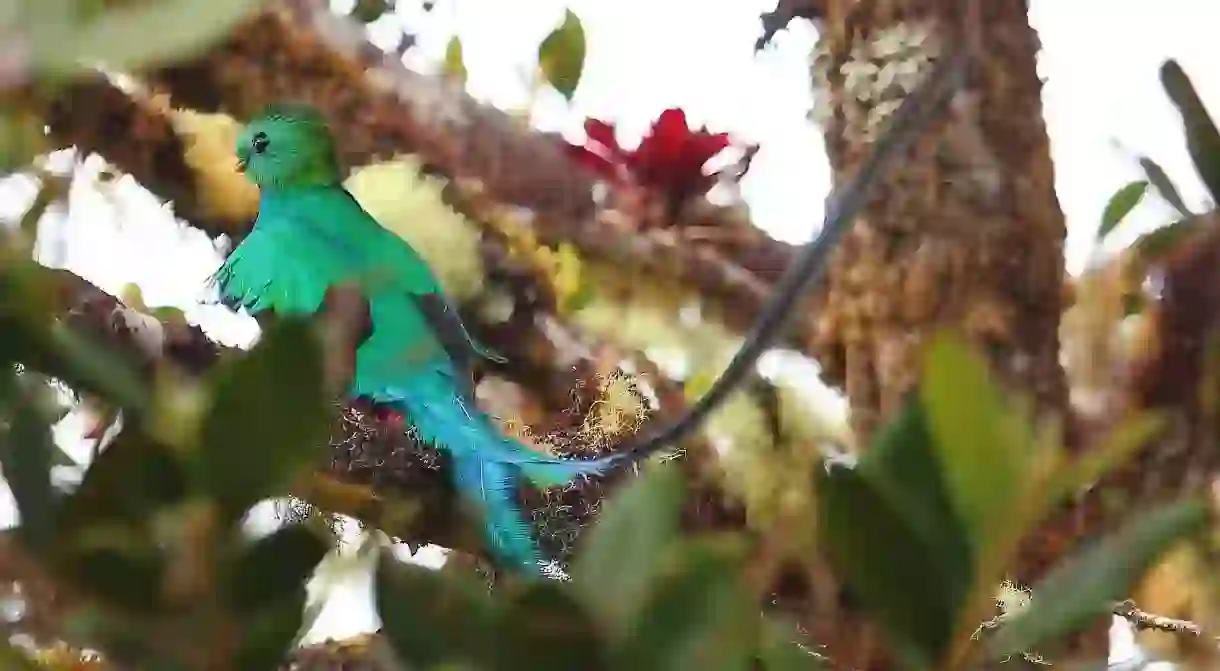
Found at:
[965, 232]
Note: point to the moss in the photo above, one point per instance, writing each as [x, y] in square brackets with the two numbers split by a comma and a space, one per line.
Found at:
[409, 204]
[208, 149]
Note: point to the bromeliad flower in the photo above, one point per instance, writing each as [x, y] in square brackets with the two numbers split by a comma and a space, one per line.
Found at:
[669, 160]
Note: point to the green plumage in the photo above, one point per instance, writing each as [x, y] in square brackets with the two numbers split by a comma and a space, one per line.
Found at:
[311, 238]
[310, 235]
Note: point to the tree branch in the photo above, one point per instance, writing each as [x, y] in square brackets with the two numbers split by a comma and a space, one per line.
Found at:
[1142, 620]
[299, 50]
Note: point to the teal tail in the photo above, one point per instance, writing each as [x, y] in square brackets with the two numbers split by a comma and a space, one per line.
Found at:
[487, 464]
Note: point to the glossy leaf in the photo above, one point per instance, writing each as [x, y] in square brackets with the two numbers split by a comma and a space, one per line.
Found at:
[984, 458]
[1084, 587]
[619, 561]
[1202, 138]
[270, 418]
[887, 566]
[1120, 205]
[561, 56]
[699, 616]
[276, 565]
[1164, 185]
[268, 634]
[431, 618]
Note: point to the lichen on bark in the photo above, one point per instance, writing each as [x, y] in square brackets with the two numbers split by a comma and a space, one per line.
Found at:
[965, 232]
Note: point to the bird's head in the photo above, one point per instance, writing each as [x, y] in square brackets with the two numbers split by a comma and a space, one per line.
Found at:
[288, 145]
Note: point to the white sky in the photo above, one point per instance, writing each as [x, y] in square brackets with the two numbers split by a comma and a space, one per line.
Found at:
[1100, 59]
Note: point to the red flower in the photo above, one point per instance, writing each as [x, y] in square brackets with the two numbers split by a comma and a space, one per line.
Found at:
[670, 158]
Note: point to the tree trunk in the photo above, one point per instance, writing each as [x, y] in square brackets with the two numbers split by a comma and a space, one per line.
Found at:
[965, 231]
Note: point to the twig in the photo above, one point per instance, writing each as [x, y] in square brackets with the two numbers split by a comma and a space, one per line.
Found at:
[1142, 620]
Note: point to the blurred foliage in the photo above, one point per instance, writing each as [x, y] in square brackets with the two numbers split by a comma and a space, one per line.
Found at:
[1203, 146]
[923, 530]
[561, 55]
[67, 37]
[150, 542]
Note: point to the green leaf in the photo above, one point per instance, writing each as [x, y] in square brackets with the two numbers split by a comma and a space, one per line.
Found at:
[87, 364]
[368, 11]
[984, 457]
[1202, 138]
[129, 581]
[903, 467]
[455, 66]
[26, 455]
[274, 566]
[544, 625]
[886, 565]
[1121, 203]
[699, 616]
[1085, 586]
[562, 55]
[268, 634]
[168, 314]
[430, 617]
[1164, 186]
[131, 481]
[1152, 246]
[131, 36]
[622, 556]
[270, 418]
[1111, 452]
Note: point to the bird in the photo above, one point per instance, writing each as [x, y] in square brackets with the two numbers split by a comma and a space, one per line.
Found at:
[311, 234]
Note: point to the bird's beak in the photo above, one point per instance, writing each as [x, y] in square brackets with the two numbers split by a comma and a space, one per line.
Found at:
[241, 165]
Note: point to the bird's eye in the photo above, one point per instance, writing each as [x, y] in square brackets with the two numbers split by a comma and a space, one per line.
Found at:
[260, 143]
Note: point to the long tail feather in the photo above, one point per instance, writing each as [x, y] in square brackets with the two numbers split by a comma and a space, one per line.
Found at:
[487, 465]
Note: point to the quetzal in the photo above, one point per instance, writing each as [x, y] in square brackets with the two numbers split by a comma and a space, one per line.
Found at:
[311, 234]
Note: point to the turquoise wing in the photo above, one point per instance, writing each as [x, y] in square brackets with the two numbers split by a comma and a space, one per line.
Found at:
[305, 244]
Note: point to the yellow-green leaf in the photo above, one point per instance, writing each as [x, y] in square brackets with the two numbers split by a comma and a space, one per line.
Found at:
[133, 297]
[454, 65]
[984, 451]
[561, 56]
[1082, 589]
[1115, 449]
